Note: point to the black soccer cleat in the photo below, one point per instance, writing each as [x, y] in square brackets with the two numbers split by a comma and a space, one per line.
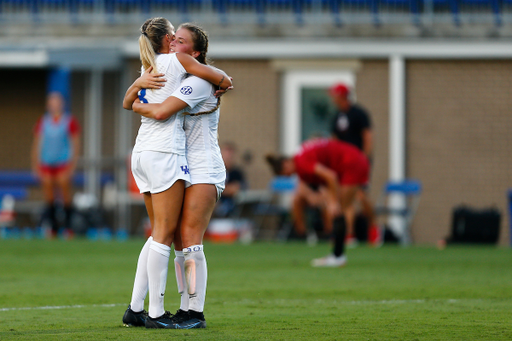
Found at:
[180, 316]
[133, 319]
[165, 321]
[196, 320]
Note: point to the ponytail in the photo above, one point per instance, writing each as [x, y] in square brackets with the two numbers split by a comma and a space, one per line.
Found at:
[153, 32]
[147, 54]
[205, 112]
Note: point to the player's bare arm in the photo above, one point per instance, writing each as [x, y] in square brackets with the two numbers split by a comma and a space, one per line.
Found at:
[159, 111]
[215, 76]
[147, 80]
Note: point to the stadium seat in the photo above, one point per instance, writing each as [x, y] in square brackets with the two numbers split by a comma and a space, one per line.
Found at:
[338, 6]
[297, 7]
[183, 6]
[410, 5]
[493, 5]
[70, 6]
[224, 6]
[29, 6]
[451, 5]
[411, 189]
[113, 6]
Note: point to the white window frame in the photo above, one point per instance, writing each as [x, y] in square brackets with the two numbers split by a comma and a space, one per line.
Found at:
[291, 110]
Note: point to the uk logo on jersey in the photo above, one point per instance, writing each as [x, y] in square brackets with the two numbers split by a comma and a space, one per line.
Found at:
[185, 169]
[186, 90]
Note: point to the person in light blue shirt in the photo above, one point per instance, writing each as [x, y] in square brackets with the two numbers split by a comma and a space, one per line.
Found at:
[54, 157]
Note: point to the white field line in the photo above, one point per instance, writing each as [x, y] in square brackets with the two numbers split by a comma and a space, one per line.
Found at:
[78, 306]
[340, 302]
[246, 301]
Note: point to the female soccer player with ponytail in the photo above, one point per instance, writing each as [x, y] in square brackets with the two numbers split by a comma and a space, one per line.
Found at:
[160, 167]
[196, 99]
[334, 170]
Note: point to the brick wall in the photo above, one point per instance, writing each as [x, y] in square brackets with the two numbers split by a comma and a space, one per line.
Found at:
[459, 140]
[372, 93]
[250, 115]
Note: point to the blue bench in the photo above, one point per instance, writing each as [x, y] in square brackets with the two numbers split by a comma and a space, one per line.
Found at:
[16, 183]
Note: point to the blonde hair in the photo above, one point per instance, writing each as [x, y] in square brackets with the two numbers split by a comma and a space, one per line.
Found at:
[150, 41]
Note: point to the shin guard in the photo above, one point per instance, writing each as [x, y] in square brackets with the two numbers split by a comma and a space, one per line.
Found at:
[196, 273]
[179, 269]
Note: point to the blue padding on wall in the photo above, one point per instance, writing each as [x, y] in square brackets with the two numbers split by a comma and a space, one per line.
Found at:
[59, 80]
[17, 179]
[17, 192]
[13, 179]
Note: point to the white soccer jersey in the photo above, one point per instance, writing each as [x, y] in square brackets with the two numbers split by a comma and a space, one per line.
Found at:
[203, 152]
[162, 136]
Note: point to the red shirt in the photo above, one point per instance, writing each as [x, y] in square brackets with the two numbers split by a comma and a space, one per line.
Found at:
[350, 164]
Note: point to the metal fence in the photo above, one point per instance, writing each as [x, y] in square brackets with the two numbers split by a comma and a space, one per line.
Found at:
[260, 12]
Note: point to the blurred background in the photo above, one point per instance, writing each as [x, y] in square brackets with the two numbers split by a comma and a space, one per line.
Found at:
[435, 76]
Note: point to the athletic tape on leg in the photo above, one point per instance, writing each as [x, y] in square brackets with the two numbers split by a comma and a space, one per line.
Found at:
[196, 276]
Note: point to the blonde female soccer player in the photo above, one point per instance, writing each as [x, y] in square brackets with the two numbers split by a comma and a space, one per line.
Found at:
[196, 99]
[160, 168]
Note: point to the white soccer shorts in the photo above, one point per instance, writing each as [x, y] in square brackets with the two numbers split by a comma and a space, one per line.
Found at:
[156, 172]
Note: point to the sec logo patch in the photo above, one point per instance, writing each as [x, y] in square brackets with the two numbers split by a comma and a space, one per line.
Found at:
[186, 90]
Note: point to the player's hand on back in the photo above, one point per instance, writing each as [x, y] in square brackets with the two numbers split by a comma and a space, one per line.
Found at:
[221, 92]
[150, 80]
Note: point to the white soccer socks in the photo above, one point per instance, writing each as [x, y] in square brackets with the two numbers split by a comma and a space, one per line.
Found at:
[158, 261]
[179, 268]
[140, 286]
[196, 276]
[191, 277]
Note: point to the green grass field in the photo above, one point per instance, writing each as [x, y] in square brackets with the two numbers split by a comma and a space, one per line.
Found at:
[78, 290]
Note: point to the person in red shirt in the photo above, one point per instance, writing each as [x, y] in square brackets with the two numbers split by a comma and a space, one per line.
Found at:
[54, 156]
[334, 171]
